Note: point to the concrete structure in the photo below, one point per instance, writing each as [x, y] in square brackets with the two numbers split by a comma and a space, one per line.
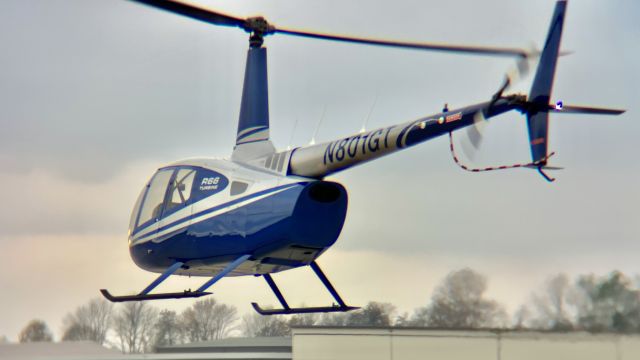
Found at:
[342, 343]
[60, 350]
[335, 343]
[273, 348]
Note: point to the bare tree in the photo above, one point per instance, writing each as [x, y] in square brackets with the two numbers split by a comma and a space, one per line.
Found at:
[208, 320]
[256, 325]
[607, 303]
[552, 305]
[403, 320]
[36, 330]
[304, 319]
[168, 330]
[373, 314]
[459, 303]
[420, 317]
[89, 322]
[521, 317]
[134, 324]
[334, 319]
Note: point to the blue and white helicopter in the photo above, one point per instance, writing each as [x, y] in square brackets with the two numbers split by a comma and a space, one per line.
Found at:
[264, 211]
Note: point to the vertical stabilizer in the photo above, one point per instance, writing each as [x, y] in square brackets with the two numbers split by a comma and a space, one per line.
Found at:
[252, 140]
[538, 112]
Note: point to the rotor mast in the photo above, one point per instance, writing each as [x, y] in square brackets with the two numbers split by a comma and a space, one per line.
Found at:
[258, 28]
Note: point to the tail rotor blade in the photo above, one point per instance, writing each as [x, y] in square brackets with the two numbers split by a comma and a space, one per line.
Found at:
[475, 135]
[521, 68]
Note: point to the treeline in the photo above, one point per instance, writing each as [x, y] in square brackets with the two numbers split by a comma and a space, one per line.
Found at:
[591, 303]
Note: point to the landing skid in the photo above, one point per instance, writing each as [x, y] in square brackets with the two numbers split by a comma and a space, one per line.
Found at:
[287, 310]
[144, 294]
[307, 310]
[143, 297]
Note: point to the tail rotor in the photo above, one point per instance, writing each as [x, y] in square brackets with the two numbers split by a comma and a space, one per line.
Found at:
[537, 105]
[475, 133]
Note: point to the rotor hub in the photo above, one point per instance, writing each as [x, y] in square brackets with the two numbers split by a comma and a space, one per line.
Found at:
[258, 27]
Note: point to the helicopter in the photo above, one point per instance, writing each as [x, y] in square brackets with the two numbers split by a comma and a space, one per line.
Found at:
[264, 211]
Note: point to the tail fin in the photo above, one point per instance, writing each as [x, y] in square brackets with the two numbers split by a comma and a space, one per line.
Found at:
[252, 140]
[254, 110]
[537, 112]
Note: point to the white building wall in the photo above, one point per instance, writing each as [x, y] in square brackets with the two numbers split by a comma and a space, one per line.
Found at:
[317, 343]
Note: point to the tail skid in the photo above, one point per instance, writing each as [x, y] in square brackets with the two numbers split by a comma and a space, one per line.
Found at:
[532, 165]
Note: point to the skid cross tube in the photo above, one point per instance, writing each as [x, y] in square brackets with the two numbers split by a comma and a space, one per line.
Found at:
[286, 309]
[327, 284]
[276, 291]
[229, 268]
[173, 268]
[144, 294]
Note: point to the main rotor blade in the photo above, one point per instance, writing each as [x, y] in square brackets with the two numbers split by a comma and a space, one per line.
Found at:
[195, 12]
[410, 45]
[260, 25]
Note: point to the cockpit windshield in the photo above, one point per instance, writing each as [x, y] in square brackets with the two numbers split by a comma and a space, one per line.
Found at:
[152, 206]
[171, 189]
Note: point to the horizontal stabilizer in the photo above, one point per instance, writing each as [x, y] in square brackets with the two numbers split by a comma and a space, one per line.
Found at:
[570, 109]
[546, 167]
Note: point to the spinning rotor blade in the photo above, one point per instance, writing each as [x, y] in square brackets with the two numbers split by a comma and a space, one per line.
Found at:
[195, 12]
[409, 45]
[522, 68]
[260, 27]
[475, 133]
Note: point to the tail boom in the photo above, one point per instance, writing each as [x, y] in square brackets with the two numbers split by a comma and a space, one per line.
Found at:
[323, 159]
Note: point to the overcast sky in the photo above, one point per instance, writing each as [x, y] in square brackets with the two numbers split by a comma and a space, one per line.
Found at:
[95, 95]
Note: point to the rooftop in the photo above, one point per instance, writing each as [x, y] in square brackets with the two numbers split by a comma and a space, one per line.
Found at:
[236, 345]
[74, 349]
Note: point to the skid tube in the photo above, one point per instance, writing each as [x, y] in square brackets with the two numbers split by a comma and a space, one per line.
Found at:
[144, 294]
[287, 310]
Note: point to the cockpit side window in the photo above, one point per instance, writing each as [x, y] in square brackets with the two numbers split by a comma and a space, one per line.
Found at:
[238, 187]
[180, 190]
[153, 200]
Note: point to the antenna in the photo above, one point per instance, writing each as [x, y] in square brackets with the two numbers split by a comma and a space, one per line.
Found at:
[295, 125]
[366, 120]
[315, 132]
